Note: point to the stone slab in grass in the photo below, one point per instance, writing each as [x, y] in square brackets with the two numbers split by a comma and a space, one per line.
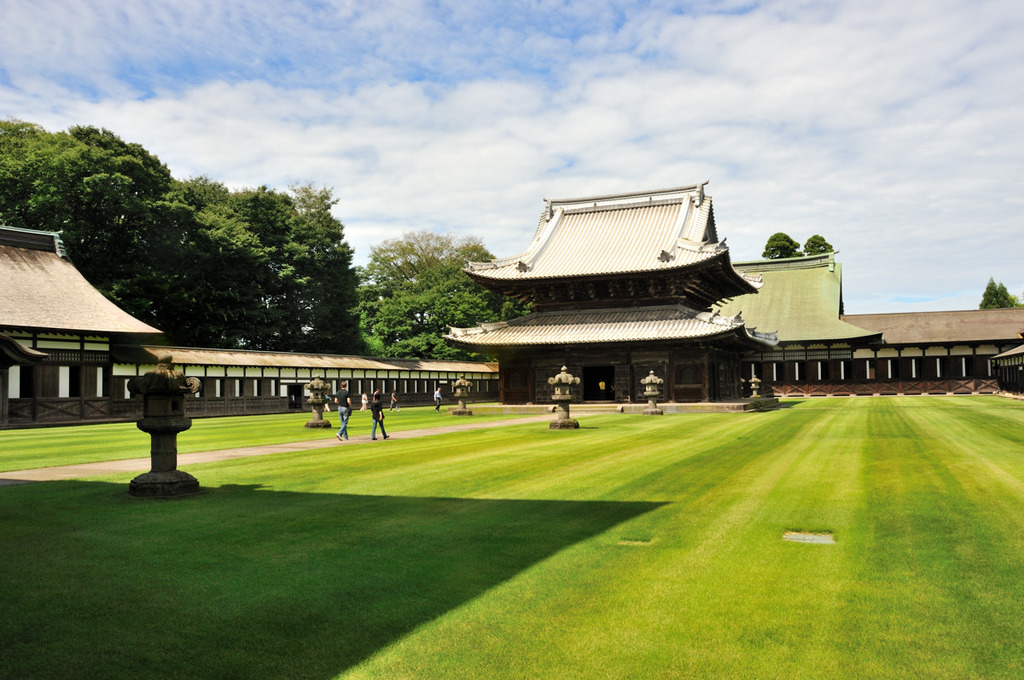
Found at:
[807, 537]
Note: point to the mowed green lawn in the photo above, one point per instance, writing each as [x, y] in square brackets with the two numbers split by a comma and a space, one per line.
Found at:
[72, 445]
[635, 547]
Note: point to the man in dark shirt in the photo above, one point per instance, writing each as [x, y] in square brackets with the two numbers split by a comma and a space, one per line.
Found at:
[344, 403]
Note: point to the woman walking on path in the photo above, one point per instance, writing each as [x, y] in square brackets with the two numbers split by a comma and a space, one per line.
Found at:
[377, 413]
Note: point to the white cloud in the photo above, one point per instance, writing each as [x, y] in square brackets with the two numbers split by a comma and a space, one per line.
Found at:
[890, 128]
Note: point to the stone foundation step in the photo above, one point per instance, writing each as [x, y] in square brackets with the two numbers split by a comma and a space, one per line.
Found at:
[740, 406]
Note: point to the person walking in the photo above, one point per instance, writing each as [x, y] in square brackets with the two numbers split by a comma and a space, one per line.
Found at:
[437, 400]
[365, 402]
[394, 402]
[343, 402]
[377, 413]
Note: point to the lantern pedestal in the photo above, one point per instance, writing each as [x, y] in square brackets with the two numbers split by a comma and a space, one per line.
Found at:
[318, 389]
[652, 390]
[163, 480]
[562, 420]
[563, 384]
[755, 385]
[169, 484]
[462, 387]
[163, 416]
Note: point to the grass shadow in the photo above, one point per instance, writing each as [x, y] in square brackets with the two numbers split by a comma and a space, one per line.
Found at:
[249, 582]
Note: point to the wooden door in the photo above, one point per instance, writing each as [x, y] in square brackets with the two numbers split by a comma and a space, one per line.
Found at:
[689, 381]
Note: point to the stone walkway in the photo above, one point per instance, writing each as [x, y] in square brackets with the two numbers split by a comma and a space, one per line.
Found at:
[184, 459]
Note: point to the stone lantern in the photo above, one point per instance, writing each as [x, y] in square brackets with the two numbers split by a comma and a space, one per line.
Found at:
[563, 383]
[318, 389]
[462, 388]
[163, 392]
[755, 385]
[652, 390]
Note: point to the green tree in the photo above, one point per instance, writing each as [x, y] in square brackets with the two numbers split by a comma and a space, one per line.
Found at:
[996, 296]
[219, 305]
[817, 245]
[413, 288]
[107, 198]
[780, 245]
[255, 268]
[273, 270]
[323, 263]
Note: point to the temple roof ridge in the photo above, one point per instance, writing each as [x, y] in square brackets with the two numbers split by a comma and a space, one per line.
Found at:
[627, 200]
[614, 234]
[33, 239]
[790, 263]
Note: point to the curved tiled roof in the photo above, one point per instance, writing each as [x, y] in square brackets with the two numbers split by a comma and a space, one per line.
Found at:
[42, 290]
[597, 326]
[1015, 352]
[615, 234]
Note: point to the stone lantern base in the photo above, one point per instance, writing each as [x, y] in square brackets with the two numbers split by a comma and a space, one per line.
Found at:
[653, 412]
[564, 424]
[321, 424]
[171, 484]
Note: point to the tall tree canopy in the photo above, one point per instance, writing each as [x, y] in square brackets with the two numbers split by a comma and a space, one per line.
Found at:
[413, 289]
[780, 245]
[817, 245]
[996, 296]
[105, 197]
[330, 281]
[256, 268]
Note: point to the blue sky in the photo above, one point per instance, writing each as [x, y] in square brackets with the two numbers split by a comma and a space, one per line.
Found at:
[891, 128]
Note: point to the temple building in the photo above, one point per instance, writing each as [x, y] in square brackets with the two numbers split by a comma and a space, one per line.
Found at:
[802, 298]
[1010, 369]
[824, 352]
[58, 331]
[620, 285]
[67, 354]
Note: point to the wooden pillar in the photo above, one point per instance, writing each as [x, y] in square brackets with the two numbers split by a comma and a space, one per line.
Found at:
[5, 378]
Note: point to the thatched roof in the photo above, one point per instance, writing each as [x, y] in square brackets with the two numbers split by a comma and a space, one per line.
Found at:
[43, 290]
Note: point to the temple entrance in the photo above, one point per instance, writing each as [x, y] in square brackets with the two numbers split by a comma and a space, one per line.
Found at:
[515, 387]
[689, 381]
[598, 383]
[295, 396]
